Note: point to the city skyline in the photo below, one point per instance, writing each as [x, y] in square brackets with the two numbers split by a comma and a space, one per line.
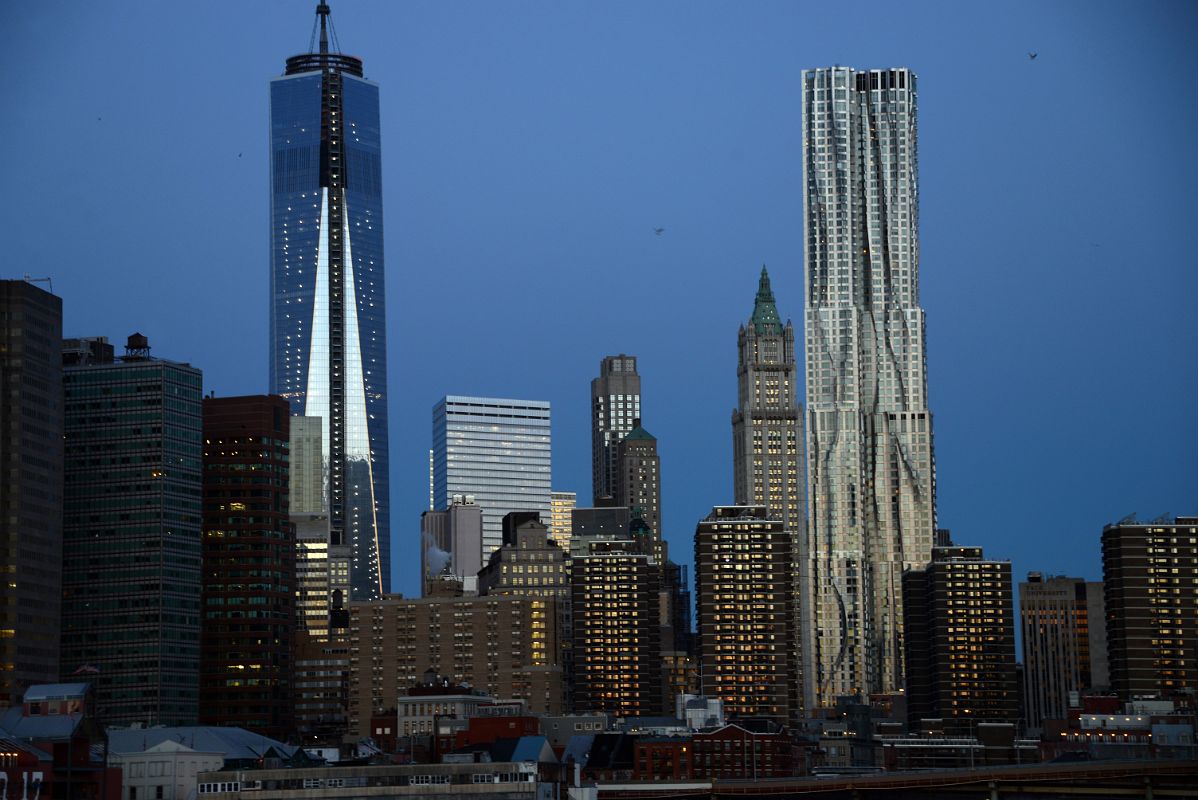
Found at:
[1108, 335]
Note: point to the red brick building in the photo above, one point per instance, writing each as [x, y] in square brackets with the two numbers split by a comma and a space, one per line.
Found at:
[734, 752]
[657, 758]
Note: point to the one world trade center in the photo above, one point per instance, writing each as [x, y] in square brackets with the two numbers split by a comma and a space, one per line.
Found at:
[328, 351]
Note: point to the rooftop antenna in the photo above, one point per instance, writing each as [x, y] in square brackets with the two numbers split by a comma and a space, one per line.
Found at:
[1163, 519]
[324, 21]
[30, 279]
[1130, 519]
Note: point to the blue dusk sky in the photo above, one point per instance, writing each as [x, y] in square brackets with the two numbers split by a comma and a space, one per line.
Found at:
[530, 149]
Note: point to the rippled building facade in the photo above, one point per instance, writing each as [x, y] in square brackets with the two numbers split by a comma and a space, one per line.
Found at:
[327, 327]
[870, 466]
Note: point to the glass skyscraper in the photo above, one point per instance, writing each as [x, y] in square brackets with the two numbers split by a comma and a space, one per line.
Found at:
[497, 450]
[870, 468]
[327, 325]
[131, 531]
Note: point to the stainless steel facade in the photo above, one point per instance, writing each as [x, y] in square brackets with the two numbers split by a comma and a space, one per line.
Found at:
[328, 337]
[870, 467]
[497, 450]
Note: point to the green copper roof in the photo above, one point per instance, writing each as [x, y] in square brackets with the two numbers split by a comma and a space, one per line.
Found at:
[639, 433]
[765, 312]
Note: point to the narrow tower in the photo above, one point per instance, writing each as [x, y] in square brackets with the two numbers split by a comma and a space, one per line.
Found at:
[767, 425]
[870, 470]
[615, 403]
[328, 340]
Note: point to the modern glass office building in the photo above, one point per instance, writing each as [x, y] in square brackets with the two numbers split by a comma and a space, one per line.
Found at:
[327, 325]
[131, 531]
[870, 470]
[497, 450]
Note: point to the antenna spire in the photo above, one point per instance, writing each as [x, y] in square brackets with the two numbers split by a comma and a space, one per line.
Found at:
[322, 11]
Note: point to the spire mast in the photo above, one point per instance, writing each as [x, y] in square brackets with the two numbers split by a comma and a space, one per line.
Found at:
[322, 11]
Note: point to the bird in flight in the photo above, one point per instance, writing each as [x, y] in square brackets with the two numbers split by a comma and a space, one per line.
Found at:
[659, 231]
[1032, 56]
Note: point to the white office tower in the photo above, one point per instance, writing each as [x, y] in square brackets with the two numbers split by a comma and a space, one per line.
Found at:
[870, 470]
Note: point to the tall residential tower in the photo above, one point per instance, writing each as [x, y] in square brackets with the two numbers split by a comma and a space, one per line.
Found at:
[870, 469]
[327, 336]
[615, 403]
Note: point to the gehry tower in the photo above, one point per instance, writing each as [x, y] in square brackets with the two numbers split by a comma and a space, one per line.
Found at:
[870, 468]
[328, 350]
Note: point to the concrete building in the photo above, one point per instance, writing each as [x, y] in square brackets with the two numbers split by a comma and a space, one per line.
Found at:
[589, 525]
[871, 488]
[561, 508]
[960, 640]
[1150, 571]
[31, 462]
[747, 645]
[498, 644]
[166, 770]
[615, 403]
[131, 532]
[497, 450]
[639, 476]
[484, 780]
[247, 638]
[616, 609]
[452, 544]
[1064, 644]
[530, 564]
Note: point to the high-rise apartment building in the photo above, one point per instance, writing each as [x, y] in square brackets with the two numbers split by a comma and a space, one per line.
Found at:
[131, 532]
[616, 607]
[870, 469]
[497, 450]
[247, 642]
[561, 507]
[1150, 571]
[328, 344]
[638, 484]
[1064, 644]
[960, 639]
[493, 642]
[31, 418]
[747, 645]
[615, 404]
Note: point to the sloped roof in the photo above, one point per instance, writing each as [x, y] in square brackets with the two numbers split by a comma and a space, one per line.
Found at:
[55, 691]
[578, 748]
[640, 434]
[14, 724]
[765, 312]
[235, 744]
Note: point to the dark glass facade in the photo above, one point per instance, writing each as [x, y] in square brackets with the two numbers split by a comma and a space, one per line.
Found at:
[249, 591]
[131, 538]
[328, 337]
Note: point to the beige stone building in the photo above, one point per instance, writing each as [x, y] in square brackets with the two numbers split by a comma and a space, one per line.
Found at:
[501, 645]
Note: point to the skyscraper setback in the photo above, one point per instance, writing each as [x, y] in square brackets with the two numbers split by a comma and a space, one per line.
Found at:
[615, 404]
[327, 325]
[870, 467]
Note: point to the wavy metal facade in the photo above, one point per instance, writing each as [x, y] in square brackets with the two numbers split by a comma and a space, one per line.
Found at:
[328, 334]
[870, 465]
